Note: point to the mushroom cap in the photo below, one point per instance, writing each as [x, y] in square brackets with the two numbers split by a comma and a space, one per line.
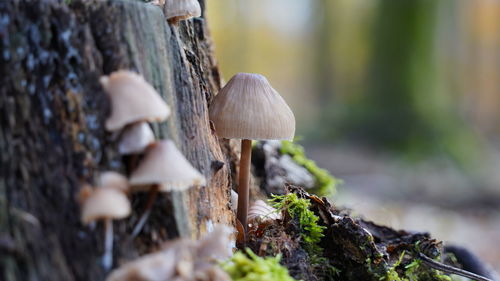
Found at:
[158, 266]
[260, 210]
[110, 179]
[132, 100]
[181, 259]
[105, 203]
[247, 107]
[136, 138]
[182, 9]
[165, 165]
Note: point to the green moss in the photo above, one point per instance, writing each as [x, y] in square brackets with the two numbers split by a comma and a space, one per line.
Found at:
[325, 184]
[416, 272]
[298, 208]
[413, 272]
[251, 267]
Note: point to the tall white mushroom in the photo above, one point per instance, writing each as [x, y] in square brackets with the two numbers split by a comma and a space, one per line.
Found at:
[248, 108]
[164, 169]
[106, 202]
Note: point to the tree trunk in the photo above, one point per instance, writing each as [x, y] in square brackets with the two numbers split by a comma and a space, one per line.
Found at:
[52, 138]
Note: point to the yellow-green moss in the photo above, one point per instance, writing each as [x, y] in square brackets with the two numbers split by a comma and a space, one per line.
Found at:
[298, 208]
[250, 267]
[325, 184]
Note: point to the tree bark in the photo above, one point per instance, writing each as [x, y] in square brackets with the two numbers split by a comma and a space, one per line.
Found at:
[52, 136]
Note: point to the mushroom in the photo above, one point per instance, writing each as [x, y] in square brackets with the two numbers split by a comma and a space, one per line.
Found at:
[181, 259]
[165, 169]
[177, 10]
[133, 103]
[105, 203]
[260, 210]
[132, 100]
[158, 266]
[136, 138]
[113, 180]
[248, 108]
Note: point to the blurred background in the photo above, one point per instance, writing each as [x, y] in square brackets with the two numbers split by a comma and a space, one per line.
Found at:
[399, 99]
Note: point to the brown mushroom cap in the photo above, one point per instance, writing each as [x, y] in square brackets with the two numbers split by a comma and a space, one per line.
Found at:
[165, 165]
[247, 107]
[132, 100]
[105, 203]
[182, 9]
[136, 138]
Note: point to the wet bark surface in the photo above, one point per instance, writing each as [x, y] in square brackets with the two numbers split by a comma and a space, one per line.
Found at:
[52, 136]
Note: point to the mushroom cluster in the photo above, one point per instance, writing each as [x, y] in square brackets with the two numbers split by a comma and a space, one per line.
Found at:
[182, 260]
[248, 108]
[134, 103]
[163, 168]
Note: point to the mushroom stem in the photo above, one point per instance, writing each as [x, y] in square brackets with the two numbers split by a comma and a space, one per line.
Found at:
[244, 181]
[153, 193]
[107, 258]
[132, 162]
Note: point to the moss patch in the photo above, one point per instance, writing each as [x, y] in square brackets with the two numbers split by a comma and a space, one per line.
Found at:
[250, 267]
[325, 184]
[298, 208]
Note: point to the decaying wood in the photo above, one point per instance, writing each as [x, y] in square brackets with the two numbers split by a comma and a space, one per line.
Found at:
[52, 138]
[352, 247]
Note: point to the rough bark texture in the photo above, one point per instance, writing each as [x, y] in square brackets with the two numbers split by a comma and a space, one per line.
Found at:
[52, 138]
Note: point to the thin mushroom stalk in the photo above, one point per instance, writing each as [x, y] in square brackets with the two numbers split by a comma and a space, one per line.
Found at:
[107, 258]
[244, 181]
[153, 193]
[245, 97]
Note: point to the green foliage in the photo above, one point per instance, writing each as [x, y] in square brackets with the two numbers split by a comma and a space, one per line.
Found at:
[251, 267]
[298, 208]
[325, 183]
[413, 272]
[392, 274]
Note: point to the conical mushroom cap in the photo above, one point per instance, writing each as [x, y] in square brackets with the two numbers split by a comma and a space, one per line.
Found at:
[132, 100]
[182, 9]
[105, 203]
[110, 179]
[136, 138]
[249, 108]
[165, 165]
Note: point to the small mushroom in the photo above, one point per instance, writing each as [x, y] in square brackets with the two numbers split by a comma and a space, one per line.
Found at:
[177, 10]
[248, 108]
[112, 179]
[260, 210]
[158, 266]
[105, 203]
[132, 100]
[181, 259]
[136, 138]
[164, 169]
